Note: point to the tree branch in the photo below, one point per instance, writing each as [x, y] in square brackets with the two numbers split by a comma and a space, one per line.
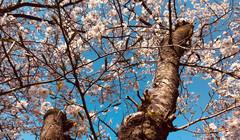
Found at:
[214, 69]
[32, 18]
[11, 64]
[29, 4]
[209, 117]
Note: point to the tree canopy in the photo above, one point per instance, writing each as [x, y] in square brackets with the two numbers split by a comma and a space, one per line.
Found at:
[96, 60]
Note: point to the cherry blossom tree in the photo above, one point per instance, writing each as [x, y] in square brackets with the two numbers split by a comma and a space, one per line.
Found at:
[97, 60]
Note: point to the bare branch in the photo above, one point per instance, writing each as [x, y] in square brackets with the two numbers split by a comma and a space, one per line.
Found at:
[209, 117]
[39, 5]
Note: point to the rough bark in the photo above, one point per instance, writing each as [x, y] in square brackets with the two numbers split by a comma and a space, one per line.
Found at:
[153, 121]
[54, 126]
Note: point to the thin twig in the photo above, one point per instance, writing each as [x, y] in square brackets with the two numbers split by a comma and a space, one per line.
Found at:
[209, 117]
[134, 102]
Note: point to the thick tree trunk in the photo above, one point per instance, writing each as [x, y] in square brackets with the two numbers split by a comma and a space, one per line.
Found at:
[54, 126]
[153, 121]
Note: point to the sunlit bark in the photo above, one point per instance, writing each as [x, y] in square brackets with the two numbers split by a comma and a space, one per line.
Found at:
[54, 126]
[151, 123]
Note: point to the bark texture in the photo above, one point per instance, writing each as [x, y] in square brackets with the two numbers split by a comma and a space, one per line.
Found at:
[54, 126]
[154, 120]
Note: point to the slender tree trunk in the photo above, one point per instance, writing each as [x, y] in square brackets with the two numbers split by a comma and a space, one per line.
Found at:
[153, 121]
[54, 126]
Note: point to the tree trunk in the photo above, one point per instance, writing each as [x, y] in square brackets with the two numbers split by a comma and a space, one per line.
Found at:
[153, 121]
[54, 126]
